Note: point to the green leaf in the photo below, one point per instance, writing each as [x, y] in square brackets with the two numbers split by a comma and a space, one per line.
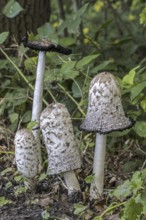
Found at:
[20, 190]
[102, 66]
[79, 208]
[143, 16]
[4, 201]
[143, 104]
[77, 89]
[140, 128]
[13, 117]
[48, 31]
[3, 37]
[123, 190]
[136, 90]
[86, 60]
[89, 179]
[12, 9]
[132, 209]
[136, 182]
[45, 215]
[31, 125]
[129, 78]
[26, 117]
[67, 70]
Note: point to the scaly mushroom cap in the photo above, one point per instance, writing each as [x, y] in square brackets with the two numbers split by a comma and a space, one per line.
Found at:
[26, 154]
[58, 136]
[105, 112]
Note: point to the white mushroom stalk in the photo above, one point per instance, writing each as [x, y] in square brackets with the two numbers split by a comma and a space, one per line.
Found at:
[58, 136]
[104, 115]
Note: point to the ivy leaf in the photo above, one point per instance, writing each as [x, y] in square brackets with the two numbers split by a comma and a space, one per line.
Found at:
[3, 37]
[12, 9]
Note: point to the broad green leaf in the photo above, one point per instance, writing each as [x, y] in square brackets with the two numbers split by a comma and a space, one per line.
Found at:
[137, 89]
[123, 190]
[13, 117]
[12, 9]
[67, 70]
[45, 215]
[3, 37]
[136, 182]
[132, 209]
[129, 78]
[86, 60]
[26, 117]
[140, 128]
[77, 89]
[143, 16]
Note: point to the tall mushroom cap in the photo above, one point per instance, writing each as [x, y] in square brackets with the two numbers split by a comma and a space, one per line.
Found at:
[105, 112]
[26, 154]
[58, 136]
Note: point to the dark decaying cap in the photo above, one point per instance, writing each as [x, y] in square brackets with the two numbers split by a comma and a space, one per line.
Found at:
[105, 112]
[45, 45]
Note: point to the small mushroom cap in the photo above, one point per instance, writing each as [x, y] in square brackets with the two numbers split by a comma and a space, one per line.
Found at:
[45, 45]
[105, 112]
[59, 140]
[27, 154]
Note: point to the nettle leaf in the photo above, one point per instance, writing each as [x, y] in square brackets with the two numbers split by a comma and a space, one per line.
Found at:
[123, 190]
[140, 128]
[136, 90]
[67, 70]
[136, 182]
[12, 9]
[132, 209]
[3, 37]
[86, 60]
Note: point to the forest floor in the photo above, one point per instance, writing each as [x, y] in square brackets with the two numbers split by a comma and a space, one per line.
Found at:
[50, 200]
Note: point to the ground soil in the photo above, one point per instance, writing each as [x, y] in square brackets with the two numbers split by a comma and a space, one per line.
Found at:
[50, 199]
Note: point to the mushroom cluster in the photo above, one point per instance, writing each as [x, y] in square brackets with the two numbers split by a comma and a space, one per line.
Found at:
[28, 144]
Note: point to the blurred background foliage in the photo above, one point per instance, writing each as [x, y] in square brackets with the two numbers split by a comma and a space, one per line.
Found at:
[107, 35]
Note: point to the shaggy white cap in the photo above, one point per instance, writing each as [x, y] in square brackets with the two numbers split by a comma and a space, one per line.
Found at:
[105, 112]
[58, 136]
[27, 154]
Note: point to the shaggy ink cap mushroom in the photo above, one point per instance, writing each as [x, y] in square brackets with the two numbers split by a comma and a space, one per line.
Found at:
[27, 155]
[45, 45]
[105, 112]
[104, 115]
[59, 140]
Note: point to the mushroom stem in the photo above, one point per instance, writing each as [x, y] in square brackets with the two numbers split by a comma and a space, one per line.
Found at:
[38, 92]
[71, 182]
[96, 188]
